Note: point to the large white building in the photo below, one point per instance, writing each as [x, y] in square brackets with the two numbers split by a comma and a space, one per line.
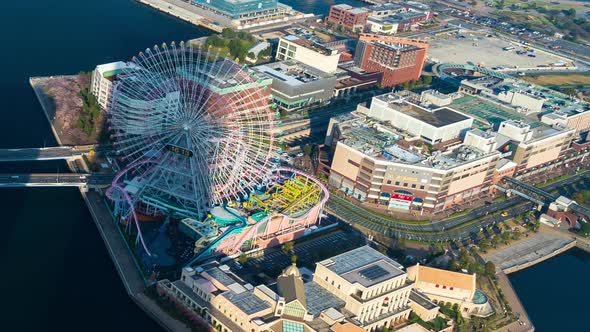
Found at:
[436, 125]
[304, 51]
[359, 290]
[103, 81]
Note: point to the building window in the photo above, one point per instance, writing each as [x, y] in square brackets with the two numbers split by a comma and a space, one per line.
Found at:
[414, 185]
[388, 181]
[444, 287]
[436, 285]
[397, 183]
[405, 184]
[421, 187]
[451, 288]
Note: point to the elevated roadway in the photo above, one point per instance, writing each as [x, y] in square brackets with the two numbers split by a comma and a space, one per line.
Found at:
[56, 180]
[50, 153]
[457, 228]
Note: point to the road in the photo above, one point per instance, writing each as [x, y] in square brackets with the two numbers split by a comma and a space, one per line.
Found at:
[457, 228]
[55, 180]
[50, 153]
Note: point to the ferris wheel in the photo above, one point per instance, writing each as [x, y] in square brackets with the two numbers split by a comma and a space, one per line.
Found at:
[198, 127]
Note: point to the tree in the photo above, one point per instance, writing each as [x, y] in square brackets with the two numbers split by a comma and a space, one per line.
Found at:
[585, 230]
[243, 259]
[426, 79]
[287, 247]
[484, 245]
[307, 149]
[294, 259]
[505, 237]
[490, 269]
[569, 91]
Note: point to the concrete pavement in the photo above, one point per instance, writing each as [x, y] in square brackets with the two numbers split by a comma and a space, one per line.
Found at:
[523, 324]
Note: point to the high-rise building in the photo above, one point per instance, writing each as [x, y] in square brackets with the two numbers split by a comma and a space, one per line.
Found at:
[399, 62]
[308, 52]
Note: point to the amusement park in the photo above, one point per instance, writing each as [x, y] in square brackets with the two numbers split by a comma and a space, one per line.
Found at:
[199, 175]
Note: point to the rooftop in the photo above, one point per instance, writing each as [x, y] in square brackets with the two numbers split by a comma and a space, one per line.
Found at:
[247, 301]
[438, 117]
[422, 300]
[364, 265]
[381, 140]
[291, 72]
[443, 277]
[319, 299]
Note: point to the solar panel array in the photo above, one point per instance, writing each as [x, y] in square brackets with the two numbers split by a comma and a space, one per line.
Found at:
[373, 272]
[247, 302]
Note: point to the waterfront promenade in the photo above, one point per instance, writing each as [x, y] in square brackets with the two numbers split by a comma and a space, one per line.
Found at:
[523, 324]
[530, 251]
[125, 263]
[183, 11]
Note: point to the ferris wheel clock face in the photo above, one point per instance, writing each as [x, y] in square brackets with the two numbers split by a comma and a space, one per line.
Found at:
[204, 121]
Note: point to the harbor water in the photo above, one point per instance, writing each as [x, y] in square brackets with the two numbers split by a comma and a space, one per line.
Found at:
[56, 274]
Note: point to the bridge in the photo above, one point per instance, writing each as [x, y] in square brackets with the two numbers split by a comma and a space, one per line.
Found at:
[538, 195]
[50, 153]
[95, 180]
[439, 70]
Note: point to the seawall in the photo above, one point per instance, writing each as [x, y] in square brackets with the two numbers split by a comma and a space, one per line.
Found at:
[181, 10]
[121, 256]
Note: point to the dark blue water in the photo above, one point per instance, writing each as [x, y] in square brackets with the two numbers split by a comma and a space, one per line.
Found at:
[56, 274]
[554, 292]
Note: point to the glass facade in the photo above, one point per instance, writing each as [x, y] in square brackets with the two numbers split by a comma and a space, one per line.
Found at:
[289, 326]
[235, 8]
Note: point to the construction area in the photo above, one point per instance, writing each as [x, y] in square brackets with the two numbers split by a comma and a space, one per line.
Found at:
[491, 52]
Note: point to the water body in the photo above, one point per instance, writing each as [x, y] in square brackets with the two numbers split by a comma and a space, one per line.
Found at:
[56, 273]
[554, 292]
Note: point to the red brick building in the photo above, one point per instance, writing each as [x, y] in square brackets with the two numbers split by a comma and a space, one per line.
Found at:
[349, 17]
[399, 63]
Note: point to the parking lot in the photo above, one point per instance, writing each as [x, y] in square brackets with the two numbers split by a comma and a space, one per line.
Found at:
[308, 251]
[479, 49]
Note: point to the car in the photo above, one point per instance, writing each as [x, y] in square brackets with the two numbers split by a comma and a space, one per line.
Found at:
[300, 154]
[504, 214]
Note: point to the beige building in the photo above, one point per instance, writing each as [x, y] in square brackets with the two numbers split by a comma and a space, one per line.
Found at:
[450, 287]
[360, 290]
[536, 147]
[374, 287]
[579, 119]
[377, 162]
[317, 56]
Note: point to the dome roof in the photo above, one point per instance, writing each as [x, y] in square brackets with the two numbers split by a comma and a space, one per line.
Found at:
[291, 270]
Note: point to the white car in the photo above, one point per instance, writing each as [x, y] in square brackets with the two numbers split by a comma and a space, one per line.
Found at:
[300, 154]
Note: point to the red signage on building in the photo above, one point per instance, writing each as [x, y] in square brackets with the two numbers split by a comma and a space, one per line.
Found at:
[401, 197]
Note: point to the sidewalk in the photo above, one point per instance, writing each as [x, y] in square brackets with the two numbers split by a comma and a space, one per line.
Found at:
[516, 306]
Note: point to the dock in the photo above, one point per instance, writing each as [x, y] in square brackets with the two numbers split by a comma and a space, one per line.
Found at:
[183, 11]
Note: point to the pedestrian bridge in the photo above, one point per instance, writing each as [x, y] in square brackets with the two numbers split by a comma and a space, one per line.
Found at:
[538, 195]
[56, 180]
[50, 153]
